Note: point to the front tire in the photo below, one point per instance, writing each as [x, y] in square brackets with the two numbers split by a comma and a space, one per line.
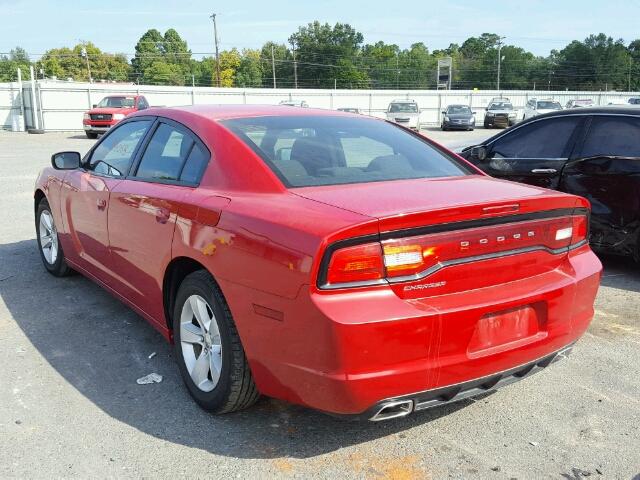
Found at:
[48, 242]
[91, 135]
[208, 349]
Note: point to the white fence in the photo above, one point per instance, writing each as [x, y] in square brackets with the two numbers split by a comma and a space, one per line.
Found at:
[60, 105]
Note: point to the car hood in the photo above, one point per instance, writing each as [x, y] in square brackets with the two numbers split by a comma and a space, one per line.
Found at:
[405, 203]
[111, 110]
[501, 111]
[402, 114]
[547, 110]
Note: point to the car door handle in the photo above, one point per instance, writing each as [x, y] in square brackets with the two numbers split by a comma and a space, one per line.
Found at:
[544, 170]
[162, 215]
[101, 203]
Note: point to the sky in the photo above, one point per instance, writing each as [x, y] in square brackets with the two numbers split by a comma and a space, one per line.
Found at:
[115, 26]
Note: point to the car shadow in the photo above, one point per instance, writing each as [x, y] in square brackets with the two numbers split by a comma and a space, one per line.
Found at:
[100, 347]
[80, 136]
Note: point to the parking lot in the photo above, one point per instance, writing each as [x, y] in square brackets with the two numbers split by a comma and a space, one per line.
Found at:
[70, 355]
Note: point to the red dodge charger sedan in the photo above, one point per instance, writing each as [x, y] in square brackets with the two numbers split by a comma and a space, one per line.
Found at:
[327, 259]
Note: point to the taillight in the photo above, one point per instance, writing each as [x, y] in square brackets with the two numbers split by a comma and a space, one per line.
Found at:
[360, 263]
[580, 229]
[406, 258]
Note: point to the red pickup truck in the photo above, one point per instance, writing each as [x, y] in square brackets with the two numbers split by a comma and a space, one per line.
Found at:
[110, 111]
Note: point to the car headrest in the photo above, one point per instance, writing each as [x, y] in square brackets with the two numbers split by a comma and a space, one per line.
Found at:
[311, 153]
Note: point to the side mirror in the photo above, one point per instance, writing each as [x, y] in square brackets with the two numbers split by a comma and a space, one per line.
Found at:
[444, 111]
[95, 105]
[66, 160]
[479, 153]
[486, 108]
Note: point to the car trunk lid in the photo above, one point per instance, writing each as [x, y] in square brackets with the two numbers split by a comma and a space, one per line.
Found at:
[482, 231]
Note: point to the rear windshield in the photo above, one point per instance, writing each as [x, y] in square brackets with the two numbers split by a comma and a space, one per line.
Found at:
[117, 102]
[326, 150]
[403, 107]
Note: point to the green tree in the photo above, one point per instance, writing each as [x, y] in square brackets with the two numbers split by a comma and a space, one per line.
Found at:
[249, 72]
[149, 49]
[163, 73]
[9, 64]
[328, 54]
[283, 61]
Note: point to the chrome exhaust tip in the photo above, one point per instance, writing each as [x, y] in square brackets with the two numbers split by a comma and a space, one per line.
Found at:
[393, 409]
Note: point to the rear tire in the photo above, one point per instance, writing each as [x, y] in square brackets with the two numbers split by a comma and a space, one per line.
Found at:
[48, 242]
[208, 349]
[91, 135]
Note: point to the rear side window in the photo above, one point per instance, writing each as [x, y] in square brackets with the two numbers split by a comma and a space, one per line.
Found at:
[165, 154]
[195, 164]
[326, 150]
[542, 139]
[113, 156]
[613, 136]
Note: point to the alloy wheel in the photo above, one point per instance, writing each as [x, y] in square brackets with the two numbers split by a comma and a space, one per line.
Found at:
[201, 344]
[48, 237]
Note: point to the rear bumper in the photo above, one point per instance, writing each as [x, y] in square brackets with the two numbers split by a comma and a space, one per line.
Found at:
[348, 353]
[454, 393]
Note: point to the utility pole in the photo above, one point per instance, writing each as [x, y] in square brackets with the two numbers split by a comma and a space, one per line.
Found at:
[295, 63]
[215, 38]
[84, 53]
[273, 66]
[397, 70]
[500, 39]
[629, 77]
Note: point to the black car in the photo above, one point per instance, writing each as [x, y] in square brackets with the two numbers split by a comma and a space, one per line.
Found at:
[592, 152]
[459, 117]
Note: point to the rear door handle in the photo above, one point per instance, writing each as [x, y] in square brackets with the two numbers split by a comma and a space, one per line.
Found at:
[102, 203]
[544, 170]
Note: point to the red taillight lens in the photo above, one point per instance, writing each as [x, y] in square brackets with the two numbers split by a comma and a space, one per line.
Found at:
[360, 263]
[414, 256]
[580, 229]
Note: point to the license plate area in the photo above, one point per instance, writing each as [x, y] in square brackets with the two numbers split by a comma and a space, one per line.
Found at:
[497, 332]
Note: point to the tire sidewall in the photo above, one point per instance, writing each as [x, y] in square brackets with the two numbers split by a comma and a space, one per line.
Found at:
[215, 399]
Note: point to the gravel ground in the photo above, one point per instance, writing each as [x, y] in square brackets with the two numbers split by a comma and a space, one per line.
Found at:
[70, 355]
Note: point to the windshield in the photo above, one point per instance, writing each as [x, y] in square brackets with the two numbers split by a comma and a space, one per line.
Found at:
[546, 105]
[328, 150]
[458, 110]
[117, 102]
[501, 106]
[403, 107]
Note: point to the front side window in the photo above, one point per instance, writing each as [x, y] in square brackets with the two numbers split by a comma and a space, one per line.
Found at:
[613, 136]
[113, 156]
[326, 150]
[542, 139]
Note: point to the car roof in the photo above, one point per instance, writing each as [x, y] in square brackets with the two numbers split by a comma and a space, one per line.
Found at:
[226, 112]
